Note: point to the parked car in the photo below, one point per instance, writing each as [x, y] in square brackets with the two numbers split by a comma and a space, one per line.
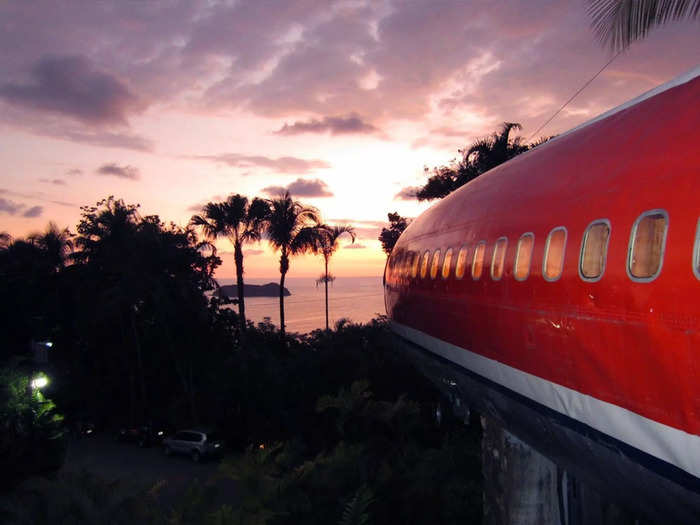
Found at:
[198, 444]
[144, 435]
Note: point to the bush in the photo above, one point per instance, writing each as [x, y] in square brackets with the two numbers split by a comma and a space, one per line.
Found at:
[31, 431]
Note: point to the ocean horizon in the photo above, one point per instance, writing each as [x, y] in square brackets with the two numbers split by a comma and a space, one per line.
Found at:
[358, 299]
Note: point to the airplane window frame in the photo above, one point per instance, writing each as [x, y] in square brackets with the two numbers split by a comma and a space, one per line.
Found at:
[696, 252]
[448, 261]
[463, 249]
[605, 252]
[483, 258]
[503, 258]
[517, 257]
[435, 264]
[424, 263]
[415, 265]
[546, 254]
[633, 234]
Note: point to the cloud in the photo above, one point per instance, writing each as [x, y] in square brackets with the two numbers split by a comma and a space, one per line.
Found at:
[58, 182]
[34, 211]
[301, 188]
[10, 207]
[74, 171]
[107, 139]
[407, 194]
[124, 172]
[70, 85]
[354, 246]
[253, 252]
[34, 195]
[350, 124]
[13, 208]
[279, 164]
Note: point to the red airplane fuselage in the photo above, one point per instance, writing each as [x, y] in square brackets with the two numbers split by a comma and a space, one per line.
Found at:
[573, 276]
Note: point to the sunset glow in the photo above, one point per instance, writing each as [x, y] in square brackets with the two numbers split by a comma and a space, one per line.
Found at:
[171, 105]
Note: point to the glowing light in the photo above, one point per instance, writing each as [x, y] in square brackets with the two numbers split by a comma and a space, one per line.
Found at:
[39, 382]
[160, 432]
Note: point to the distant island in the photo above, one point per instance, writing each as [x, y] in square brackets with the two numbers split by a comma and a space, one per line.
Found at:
[253, 290]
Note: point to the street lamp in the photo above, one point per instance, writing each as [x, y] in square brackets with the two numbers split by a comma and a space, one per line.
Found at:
[39, 382]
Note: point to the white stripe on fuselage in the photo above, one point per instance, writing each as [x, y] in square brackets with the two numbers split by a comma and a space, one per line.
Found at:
[669, 444]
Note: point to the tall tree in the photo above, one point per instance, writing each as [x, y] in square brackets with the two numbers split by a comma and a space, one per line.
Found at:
[328, 246]
[240, 221]
[481, 156]
[293, 229]
[618, 23]
[390, 235]
[57, 244]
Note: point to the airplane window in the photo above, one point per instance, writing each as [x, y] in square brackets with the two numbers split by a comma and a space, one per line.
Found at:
[696, 252]
[647, 242]
[594, 250]
[478, 263]
[447, 263]
[436, 264]
[554, 250]
[498, 260]
[416, 263]
[424, 264]
[523, 256]
[461, 265]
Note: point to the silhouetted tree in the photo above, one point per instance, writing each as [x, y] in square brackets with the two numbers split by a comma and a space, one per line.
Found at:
[618, 23]
[328, 246]
[56, 244]
[140, 300]
[481, 156]
[239, 220]
[390, 235]
[293, 229]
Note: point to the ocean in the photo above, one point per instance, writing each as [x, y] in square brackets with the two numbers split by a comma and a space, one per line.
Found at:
[356, 298]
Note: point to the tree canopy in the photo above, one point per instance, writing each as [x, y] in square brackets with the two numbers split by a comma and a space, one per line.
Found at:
[389, 236]
[481, 156]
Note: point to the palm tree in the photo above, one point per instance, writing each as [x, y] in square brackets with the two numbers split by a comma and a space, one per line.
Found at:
[5, 240]
[56, 244]
[293, 229]
[328, 246]
[618, 23]
[241, 222]
[481, 156]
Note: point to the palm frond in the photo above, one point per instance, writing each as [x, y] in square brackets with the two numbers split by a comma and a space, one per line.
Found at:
[618, 23]
[356, 510]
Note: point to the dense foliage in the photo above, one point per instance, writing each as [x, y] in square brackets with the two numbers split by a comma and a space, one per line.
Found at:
[481, 156]
[31, 431]
[327, 427]
[389, 236]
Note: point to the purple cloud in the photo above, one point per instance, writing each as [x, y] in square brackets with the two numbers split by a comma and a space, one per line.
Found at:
[351, 124]
[124, 172]
[58, 182]
[74, 171]
[69, 85]
[407, 194]
[280, 164]
[301, 188]
[10, 207]
[354, 246]
[34, 211]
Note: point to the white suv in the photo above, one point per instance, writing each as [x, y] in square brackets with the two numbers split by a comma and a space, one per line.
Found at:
[197, 443]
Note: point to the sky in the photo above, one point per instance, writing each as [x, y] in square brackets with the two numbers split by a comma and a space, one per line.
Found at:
[171, 104]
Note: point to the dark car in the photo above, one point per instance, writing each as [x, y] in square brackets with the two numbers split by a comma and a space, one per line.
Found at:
[146, 435]
[198, 444]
